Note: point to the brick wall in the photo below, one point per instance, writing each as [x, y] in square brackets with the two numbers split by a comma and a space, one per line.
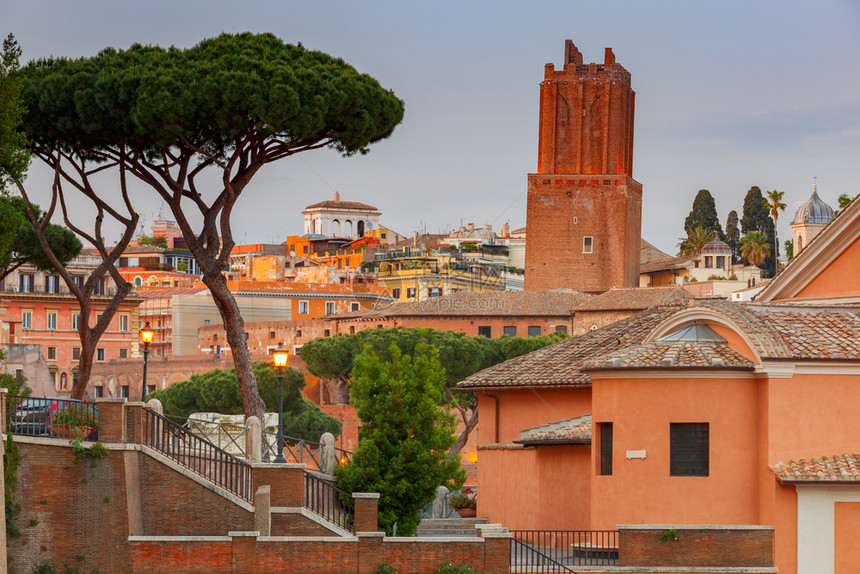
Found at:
[705, 546]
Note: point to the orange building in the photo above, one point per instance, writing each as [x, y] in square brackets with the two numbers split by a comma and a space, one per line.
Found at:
[43, 312]
[720, 416]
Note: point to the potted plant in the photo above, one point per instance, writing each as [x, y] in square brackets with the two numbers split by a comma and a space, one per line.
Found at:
[75, 422]
[464, 503]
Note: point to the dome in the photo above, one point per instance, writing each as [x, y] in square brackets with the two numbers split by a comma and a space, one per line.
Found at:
[716, 247]
[814, 210]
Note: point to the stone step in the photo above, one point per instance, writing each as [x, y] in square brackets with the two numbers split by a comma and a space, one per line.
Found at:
[449, 526]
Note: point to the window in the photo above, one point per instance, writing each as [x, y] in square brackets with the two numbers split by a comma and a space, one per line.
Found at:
[52, 320]
[688, 449]
[25, 282]
[304, 307]
[52, 353]
[485, 331]
[76, 317]
[150, 389]
[123, 353]
[709, 262]
[352, 329]
[534, 331]
[100, 354]
[435, 292]
[27, 319]
[78, 281]
[510, 330]
[272, 334]
[298, 333]
[52, 283]
[410, 292]
[123, 391]
[205, 322]
[98, 391]
[100, 287]
[329, 308]
[721, 261]
[587, 244]
[605, 467]
[53, 375]
[123, 323]
[561, 329]
[355, 306]
[395, 292]
[76, 353]
[327, 333]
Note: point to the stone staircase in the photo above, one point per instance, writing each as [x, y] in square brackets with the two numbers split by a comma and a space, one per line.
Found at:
[449, 526]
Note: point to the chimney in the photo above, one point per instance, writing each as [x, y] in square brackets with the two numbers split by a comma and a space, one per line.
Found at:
[337, 197]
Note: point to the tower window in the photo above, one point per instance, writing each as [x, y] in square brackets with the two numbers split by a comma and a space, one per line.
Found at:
[587, 244]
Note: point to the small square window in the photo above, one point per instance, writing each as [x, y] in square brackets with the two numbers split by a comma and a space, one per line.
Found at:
[123, 323]
[98, 391]
[434, 292]
[304, 308]
[355, 306]
[123, 391]
[271, 334]
[689, 449]
[52, 321]
[100, 354]
[76, 353]
[395, 292]
[410, 292]
[510, 330]
[485, 331]
[205, 322]
[123, 353]
[27, 319]
[329, 308]
[534, 331]
[587, 244]
[52, 353]
[561, 329]
[327, 333]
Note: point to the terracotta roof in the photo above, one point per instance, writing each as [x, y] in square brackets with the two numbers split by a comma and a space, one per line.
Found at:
[423, 239]
[331, 204]
[827, 469]
[667, 264]
[167, 292]
[560, 364]
[636, 298]
[672, 355]
[648, 252]
[575, 433]
[775, 332]
[552, 302]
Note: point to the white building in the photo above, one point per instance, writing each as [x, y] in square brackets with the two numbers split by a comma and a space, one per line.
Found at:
[336, 218]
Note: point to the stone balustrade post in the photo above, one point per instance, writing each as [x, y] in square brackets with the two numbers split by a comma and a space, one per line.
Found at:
[286, 482]
[440, 503]
[262, 510]
[329, 458]
[254, 447]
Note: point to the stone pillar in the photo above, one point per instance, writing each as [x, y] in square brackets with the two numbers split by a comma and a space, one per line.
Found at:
[112, 420]
[262, 510]
[254, 447]
[329, 458]
[286, 482]
[366, 511]
[135, 423]
[155, 405]
[370, 551]
[440, 503]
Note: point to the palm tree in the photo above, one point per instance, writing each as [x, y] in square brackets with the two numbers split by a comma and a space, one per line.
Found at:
[776, 205]
[755, 247]
[698, 238]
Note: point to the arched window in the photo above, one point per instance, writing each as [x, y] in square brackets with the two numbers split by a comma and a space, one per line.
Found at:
[360, 229]
[348, 228]
[335, 227]
[138, 281]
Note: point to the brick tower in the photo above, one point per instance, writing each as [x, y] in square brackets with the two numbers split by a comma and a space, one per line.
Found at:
[584, 213]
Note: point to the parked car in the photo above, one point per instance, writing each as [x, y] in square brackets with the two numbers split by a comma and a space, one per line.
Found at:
[40, 417]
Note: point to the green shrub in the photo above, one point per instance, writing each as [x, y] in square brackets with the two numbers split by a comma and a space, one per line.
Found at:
[385, 568]
[461, 568]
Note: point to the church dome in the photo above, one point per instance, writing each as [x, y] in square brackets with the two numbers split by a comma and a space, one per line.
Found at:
[814, 210]
[716, 247]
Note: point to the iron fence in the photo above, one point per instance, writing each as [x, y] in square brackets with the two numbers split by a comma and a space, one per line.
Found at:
[52, 417]
[198, 455]
[329, 501]
[559, 550]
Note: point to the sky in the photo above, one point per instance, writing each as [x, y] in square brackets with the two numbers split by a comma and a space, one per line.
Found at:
[729, 95]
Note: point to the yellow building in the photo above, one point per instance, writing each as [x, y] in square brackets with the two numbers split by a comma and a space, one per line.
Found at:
[419, 278]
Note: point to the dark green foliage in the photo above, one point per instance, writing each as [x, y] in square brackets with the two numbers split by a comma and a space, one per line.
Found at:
[733, 234]
[385, 568]
[461, 568]
[14, 157]
[222, 89]
[405, 434]
[45, 568]
[704, 215]
[19, 243]
[217, 391]
[11, 460]
[756, 217]
[159, 241]
[789, 249]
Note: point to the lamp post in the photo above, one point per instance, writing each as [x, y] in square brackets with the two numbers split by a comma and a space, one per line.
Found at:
[279, 356]
[146, 335]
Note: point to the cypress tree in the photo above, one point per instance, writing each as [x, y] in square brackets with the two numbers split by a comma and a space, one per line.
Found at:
[704, 214]
[756, 217]
[733, 233]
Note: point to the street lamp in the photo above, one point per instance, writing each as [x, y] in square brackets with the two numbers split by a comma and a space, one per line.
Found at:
[279, 356]
[146, 335]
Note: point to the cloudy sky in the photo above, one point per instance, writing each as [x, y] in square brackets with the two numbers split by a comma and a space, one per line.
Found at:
[730, 94]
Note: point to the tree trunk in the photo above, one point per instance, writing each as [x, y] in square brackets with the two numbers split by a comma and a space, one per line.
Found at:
[338, 391]
[471, 422]
[234, 325]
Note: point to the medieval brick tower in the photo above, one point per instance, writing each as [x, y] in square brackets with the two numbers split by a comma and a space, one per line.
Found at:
[584, 213]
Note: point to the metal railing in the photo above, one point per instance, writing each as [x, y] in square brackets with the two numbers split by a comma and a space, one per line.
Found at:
[198, 455]
[52, 417]
[329, 501]
[559, 550]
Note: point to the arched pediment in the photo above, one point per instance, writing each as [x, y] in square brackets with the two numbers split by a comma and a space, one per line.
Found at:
[725, 326]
